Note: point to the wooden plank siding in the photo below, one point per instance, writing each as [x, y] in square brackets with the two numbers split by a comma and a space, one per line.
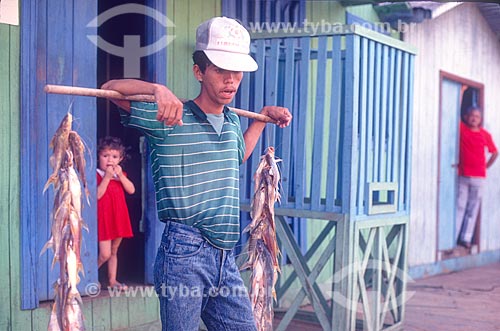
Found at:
[57, 29]
[349, 122]
[383, 125]
[186, 16]
[102, 313]
[19, 109]
[459, 42]
[9, 175]
[28, 249]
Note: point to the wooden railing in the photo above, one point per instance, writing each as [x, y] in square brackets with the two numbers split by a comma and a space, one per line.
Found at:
[349, 94]
[345, 160]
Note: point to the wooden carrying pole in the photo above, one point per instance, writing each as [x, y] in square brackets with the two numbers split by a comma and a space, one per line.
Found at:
[110, 94]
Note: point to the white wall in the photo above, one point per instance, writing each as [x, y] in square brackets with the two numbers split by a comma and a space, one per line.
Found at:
[459, 42]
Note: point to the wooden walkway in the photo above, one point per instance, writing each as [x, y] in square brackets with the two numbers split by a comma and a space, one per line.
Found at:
[468, 300]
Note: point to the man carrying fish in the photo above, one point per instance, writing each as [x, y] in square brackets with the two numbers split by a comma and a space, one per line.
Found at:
[196, 150]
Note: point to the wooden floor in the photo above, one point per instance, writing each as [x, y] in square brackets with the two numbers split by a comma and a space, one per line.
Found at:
[468, 300]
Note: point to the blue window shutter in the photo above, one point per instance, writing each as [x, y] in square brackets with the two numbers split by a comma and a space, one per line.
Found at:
[156, 72]
[29, 299]
[292, 11]
[40, 117]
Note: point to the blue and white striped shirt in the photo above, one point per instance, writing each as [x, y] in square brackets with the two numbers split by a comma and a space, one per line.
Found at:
[195, 170]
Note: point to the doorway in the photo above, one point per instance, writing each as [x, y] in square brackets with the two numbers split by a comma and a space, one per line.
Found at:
[112, 66]
[456, 96]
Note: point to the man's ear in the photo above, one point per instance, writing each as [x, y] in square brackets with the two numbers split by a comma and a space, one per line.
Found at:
[197, 73]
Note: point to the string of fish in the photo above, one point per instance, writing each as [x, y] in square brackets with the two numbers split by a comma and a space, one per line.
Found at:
[262, 247]
[68, 164]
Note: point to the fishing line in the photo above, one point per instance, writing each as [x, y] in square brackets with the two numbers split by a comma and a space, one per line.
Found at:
[70, 107]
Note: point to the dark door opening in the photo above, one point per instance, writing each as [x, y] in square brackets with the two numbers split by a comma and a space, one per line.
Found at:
[457, 95]
[470, 97]
[114, 31]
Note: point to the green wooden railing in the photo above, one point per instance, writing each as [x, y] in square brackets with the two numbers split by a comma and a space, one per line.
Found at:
[345, 169]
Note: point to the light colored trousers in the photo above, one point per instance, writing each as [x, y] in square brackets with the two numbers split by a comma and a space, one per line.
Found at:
[470, 191]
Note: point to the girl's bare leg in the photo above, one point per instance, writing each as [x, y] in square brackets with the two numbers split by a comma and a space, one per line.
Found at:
[113, 261]
[104, 252]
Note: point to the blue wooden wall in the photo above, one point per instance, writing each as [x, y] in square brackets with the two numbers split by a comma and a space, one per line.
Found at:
[349, 95]
[384, 109]
[54, 50]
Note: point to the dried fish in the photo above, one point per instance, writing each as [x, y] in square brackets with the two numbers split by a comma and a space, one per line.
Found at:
[78, 149]
[59, 145]
[262, 247]
[68, 163]
[74, 316]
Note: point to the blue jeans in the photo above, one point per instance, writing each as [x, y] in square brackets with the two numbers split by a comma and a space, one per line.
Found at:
[194, 279]
[470, 192]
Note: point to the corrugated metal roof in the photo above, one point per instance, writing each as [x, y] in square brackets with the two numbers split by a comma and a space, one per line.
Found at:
[490, 9]
[491, 12]
[437, 8]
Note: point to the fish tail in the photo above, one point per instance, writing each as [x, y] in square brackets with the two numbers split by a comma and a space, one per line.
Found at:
[48, 244]
[54, 260]
[80, 268]
[52, 180]
[247, 228]
[75, 295]
[246, 265]
[87, 195]
[84, 225]
[53, 322]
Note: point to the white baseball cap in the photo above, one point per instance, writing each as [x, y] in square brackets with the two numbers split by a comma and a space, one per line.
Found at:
[226, 43]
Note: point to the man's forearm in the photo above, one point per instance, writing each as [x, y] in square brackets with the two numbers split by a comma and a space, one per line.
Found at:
[251, 136]
[132, 86]
[280, 114]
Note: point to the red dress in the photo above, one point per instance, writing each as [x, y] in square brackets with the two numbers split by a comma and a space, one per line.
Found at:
[112, 212]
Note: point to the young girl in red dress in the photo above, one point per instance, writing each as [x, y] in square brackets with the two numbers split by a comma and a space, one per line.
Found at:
[112, 212]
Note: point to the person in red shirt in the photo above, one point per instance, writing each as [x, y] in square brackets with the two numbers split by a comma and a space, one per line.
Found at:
[471, 173]
[112, 213]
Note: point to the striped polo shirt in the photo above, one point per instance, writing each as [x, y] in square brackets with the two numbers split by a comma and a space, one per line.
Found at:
[195, 170]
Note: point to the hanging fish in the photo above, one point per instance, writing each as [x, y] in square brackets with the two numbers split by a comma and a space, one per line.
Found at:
[78, 149]
[68, 164]
[59, 145]
[262, 246]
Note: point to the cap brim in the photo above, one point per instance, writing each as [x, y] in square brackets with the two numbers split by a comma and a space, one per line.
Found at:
[232, 61]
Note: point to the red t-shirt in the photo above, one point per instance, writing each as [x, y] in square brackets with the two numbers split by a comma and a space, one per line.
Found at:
[472, 154]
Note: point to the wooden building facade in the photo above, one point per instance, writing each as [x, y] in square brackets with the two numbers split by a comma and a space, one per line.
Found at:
[458, 64]
[50, 45]
[347, 158]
